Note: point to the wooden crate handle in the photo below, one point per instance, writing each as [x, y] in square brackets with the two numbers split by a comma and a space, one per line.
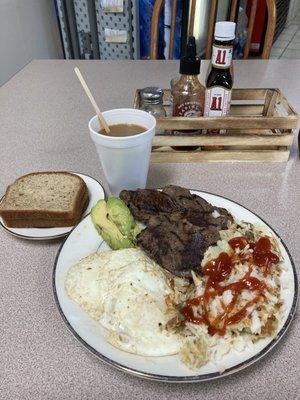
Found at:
[270, 102]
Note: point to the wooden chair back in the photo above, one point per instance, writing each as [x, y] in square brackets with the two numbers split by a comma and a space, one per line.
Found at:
[271, 10]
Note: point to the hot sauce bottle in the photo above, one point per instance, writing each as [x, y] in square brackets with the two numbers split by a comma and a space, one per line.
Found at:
[220, 80]
[188, 93]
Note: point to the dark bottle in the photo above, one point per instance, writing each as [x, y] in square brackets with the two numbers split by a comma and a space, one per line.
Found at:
[219, 80]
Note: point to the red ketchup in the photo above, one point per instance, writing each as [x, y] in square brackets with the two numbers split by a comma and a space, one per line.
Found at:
[217, 271]
[239, 242]
[263, 256]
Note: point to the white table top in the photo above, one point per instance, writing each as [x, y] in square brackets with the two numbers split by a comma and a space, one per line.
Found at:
[44, 115]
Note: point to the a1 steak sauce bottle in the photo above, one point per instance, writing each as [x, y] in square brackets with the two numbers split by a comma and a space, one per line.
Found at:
[220, 80]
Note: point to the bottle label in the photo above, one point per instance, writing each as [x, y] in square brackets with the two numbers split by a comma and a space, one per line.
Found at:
[188, 109]
[217, 101]
[221, 56]
[217, 104]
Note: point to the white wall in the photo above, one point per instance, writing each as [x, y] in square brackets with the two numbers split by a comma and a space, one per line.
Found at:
[28, 30]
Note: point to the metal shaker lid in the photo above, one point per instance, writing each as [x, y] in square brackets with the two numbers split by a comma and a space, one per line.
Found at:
[152, 94]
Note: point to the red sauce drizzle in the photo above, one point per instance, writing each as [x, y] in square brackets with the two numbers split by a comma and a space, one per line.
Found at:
[217, 271]
[239, 242]
[219, 268]
[263, 256]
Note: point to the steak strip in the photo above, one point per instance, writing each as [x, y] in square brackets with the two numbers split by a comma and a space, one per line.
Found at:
[180, 226]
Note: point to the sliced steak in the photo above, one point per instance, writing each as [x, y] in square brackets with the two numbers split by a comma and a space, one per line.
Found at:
[176, 245]
[185, 200]
[205, 205]
[225, 216]
[207, 220]
[144, 203]
[219, 218]
[180, 226]
[195, 217]
[176, 191]
[211, 234]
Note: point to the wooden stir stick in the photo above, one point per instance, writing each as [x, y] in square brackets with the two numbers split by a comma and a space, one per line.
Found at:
[92, 100]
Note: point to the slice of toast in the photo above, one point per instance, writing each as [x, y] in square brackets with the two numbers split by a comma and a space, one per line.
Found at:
[44, 199]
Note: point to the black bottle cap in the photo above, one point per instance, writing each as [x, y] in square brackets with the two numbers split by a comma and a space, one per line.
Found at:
[189, 63]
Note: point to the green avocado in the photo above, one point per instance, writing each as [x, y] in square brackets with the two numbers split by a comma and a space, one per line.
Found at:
[107, 228]
[120, 215]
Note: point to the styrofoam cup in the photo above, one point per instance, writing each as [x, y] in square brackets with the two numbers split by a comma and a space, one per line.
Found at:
[125, 160]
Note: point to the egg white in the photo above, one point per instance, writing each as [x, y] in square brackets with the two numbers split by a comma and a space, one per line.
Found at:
[125, 291]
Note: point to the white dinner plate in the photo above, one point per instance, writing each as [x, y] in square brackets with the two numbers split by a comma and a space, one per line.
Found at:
[96, 192]
[84, 240]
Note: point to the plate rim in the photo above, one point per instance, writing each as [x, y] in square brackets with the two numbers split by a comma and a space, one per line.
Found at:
[187, 378]
[53, 236]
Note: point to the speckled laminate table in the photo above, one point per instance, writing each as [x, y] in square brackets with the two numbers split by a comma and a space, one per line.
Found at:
[43, 126]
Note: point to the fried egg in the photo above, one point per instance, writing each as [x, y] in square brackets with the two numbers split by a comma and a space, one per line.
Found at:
[125, 291]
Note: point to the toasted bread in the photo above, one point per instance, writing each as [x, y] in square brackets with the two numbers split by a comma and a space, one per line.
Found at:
[44, 199]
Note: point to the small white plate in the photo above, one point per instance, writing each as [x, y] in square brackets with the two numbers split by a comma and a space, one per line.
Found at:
[84, 240]
[96, 192]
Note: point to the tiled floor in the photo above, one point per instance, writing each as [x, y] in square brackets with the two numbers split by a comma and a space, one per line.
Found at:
[288, 43]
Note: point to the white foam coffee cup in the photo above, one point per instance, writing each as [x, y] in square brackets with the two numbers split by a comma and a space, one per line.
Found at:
[125, 159]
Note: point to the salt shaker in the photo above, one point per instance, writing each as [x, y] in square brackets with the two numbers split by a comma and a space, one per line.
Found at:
[152, 101]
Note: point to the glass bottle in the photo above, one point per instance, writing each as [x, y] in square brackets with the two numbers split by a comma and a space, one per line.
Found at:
[220, 78]
[188, 97]
[173, 82]
[188, 94]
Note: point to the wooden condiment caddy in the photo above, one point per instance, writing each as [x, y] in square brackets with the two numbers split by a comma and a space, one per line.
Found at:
[259, 128]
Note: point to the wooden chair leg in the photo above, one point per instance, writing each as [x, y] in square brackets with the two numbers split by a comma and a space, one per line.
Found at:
[172, 30]
[211, 25]
[271, 6]
[154, 29]
[192, 18]
[250, 28]
[233, 10]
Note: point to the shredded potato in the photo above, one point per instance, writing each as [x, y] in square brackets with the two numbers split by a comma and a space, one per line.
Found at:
[194, 352]
[262, 317]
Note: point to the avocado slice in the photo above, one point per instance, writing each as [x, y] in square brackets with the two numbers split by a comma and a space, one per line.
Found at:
[120, 215]
[107, 229]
